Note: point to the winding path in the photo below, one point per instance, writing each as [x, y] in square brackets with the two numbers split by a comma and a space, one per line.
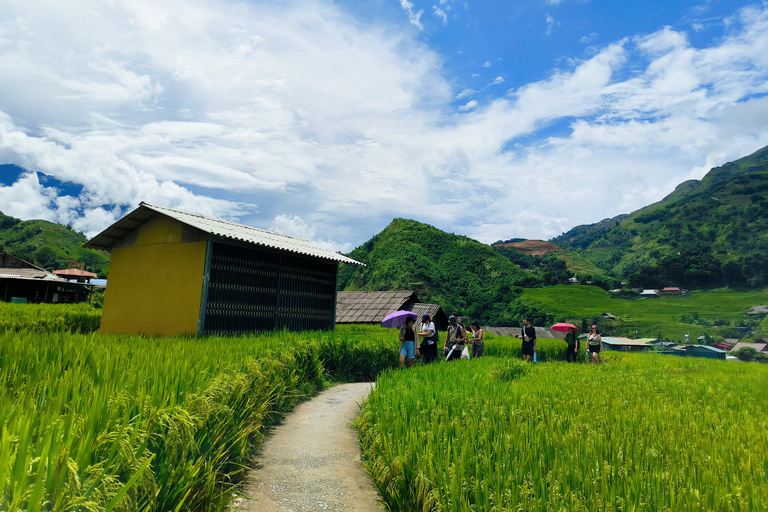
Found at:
[311, 461]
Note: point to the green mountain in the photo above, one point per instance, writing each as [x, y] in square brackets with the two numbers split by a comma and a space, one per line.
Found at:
[49, 245]
[707, 233]
[459, 273]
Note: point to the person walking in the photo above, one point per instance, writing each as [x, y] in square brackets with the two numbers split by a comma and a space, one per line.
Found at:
[408, 346]
[572, 339]
[477, 339]
[528, 335]
[429, 339]
[595, 344]
[455, 336]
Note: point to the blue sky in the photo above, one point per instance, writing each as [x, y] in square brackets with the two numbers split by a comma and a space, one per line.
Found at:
[326, 120]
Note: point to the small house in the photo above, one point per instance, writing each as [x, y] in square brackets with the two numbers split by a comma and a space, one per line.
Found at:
[624, 344]
[672, 290]
[608, 316]
[705, 351]
[21, 281]
[758, 310]
[178, 273]
[723, 346]
[371, 307]
[759, 346]
[654, 294]
[76, 274]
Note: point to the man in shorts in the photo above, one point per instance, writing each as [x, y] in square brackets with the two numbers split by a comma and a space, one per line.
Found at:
[528, 335]
[408, 337]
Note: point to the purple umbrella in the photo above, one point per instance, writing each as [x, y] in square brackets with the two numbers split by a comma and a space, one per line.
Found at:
[397, 319]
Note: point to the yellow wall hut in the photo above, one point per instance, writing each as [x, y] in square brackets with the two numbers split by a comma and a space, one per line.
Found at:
[178, 273]
[155, 282]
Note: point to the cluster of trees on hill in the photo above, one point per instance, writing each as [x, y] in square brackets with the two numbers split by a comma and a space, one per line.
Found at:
[49, 245]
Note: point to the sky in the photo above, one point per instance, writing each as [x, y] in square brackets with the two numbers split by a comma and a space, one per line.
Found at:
[327, 119]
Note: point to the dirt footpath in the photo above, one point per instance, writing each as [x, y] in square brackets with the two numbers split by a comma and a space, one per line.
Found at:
[312, 462]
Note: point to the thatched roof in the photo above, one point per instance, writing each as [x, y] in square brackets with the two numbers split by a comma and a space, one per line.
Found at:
[371, 307]
[434, 311]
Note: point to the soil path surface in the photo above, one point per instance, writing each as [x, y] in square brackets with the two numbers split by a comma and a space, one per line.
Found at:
[311, 461]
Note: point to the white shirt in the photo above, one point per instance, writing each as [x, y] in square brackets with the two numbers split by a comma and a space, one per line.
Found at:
[426, 328]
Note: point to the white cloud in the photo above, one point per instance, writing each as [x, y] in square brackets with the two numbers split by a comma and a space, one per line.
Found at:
[486, 64]
[320, 125]
[550, 24]
[466, 93]
[295, 226]
[498, 80]
[440, 14]
[588, 38]
[413, 17]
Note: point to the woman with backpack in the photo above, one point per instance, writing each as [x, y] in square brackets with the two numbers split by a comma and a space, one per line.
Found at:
[429, 339]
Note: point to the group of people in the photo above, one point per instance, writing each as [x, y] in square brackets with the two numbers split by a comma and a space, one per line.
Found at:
[456, 339]
[594, 344]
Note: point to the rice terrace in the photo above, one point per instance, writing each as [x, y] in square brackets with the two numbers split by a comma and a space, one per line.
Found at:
[116, 422]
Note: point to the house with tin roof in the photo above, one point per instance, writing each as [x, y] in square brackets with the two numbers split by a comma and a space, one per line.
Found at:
[179, 273]
[21, 281]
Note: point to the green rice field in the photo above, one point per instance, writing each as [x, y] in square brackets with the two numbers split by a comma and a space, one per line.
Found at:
[92, 422]
[130, 423]
[641, 432]
[721, 307]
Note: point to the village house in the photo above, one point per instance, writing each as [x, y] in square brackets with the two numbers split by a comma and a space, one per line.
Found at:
[357, 307]
[178, 273]
[21, 281]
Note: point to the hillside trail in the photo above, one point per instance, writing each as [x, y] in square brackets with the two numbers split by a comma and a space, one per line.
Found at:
[311, 461]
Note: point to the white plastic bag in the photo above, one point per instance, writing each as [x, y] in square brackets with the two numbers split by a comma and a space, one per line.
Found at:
[465, 353]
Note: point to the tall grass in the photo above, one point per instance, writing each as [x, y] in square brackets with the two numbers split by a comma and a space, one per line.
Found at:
[639, 433]
[76, 318]
[129, 423]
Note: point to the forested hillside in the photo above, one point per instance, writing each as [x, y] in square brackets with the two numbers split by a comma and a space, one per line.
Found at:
[49, 245]
[454, 271]
[707, 233]
[550, 264]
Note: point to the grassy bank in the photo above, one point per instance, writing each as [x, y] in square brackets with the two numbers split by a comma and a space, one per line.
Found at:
[641, 432]
[673, 316]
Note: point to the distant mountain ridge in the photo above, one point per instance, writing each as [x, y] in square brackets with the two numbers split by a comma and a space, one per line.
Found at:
[707, 233]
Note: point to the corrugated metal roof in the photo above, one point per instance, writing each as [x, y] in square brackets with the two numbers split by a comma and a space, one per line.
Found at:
[221, 228]
[74, 272]
[618, 340]
[31, 274]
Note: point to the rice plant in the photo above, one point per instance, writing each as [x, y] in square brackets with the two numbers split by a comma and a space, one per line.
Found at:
[641, 432]
[130, 423]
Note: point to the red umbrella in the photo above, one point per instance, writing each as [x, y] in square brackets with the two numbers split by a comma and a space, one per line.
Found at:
[562, 327]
